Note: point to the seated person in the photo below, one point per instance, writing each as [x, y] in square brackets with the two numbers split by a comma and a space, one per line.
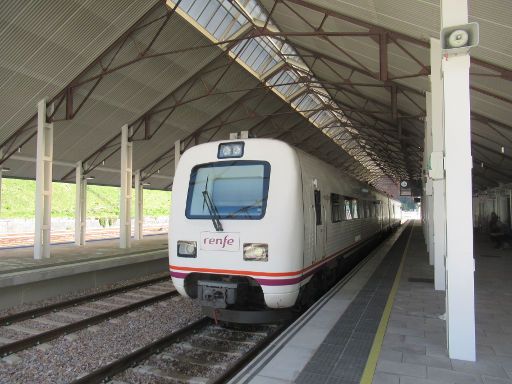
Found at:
[498, 231]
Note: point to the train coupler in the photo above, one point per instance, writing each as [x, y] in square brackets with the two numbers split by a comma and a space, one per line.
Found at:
[216, 294]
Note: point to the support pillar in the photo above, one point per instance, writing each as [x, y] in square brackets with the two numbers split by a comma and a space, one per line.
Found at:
[428, 189]
[509, 201]
[126, 190]
[1, 175]
[460, 301]
[139, 207]
[437, 175]
[424, 203]
[80, 205]
[43, 203]
[177, 153]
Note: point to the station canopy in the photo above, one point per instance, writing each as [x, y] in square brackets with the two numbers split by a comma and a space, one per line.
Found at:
[342, 80]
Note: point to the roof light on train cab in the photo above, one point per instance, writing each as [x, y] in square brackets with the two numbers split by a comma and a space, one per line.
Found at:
[255, 252]
[230, 150]
[187, 248]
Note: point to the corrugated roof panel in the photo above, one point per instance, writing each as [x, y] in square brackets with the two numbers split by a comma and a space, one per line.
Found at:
[125, 95]
[493, 139]
[327, 70]
[332, 24]
[360, 51]
[403, 15]
[495, 45]
[494, 16]
[401, 64]
[488, 106]
[418, 83]
[43, 33]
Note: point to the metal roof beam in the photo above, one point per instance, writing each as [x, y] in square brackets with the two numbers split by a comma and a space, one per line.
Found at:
[230, 109]
[361, 23]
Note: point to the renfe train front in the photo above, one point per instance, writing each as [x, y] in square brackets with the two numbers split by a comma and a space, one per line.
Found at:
[258, 225]
[236, 229]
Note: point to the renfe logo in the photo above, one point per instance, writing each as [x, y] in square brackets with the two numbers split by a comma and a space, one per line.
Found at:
[220, 241]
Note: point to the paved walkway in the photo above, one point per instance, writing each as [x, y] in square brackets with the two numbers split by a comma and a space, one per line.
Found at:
[414, 348]
[10, 240]
[322, 347]
[16, 259]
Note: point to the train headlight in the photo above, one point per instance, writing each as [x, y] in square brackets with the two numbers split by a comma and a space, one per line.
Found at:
[230, 150]
[187, 248]
[255, 252]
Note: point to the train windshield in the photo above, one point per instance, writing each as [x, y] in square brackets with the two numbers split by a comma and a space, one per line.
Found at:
[238, 190]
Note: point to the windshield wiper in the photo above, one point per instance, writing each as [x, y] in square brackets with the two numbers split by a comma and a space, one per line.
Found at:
[214, 214]
[245, 209]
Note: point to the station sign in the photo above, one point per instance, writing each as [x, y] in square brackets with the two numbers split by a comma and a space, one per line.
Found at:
[405, 188]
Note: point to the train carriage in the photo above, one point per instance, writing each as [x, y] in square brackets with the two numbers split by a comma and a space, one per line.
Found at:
[253, 221]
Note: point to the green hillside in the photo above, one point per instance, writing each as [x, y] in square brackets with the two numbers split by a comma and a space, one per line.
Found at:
[102, 202]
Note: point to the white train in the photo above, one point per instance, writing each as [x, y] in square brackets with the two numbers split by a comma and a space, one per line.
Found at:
[253, 221]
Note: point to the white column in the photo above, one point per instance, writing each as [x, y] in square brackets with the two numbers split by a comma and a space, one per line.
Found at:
[459, 231]
[509, 200]
[438, 181]
[80, 205]
[177, 153]
[43, 204]
[429, 192]
[424, 202]
[1, 175]
[126, 190]
[139, 207]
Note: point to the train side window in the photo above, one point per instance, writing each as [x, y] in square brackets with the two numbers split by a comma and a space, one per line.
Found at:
[318, 207]
[348, 210]
[336, 208]
[355, 209]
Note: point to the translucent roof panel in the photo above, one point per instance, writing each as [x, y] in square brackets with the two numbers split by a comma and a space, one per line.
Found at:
[224, 18]
[220, 18]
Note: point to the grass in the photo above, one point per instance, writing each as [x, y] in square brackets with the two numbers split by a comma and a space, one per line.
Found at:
[18, 200]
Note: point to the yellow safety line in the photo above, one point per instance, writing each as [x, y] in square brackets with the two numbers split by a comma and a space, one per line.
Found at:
[371, 363]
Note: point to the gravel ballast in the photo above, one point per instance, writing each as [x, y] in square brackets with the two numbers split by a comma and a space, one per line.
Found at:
[56, 299]
[71, 357]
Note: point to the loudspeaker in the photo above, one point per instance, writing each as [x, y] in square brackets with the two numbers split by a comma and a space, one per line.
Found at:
[459, 38]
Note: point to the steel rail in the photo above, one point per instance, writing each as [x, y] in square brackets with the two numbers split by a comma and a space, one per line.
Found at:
[108, 371]
[32, 313]
[234, 368]
[42, 337]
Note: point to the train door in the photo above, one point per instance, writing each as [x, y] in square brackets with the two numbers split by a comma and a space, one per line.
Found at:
[319, 224]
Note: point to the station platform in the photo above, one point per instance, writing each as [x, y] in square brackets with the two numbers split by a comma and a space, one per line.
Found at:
[71, 268]
[383, 324]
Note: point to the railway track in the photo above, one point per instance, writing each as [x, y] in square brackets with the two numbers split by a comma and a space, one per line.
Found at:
[201, 352]
[26, 329]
